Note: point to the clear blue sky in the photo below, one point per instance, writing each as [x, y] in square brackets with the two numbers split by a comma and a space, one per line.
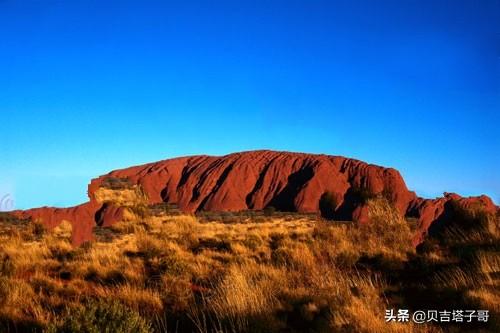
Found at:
[91, 86]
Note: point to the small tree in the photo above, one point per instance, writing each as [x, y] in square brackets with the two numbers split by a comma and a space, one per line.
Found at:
[328, 205]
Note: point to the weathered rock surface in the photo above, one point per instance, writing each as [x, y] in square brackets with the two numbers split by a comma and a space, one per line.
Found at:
[255, 180]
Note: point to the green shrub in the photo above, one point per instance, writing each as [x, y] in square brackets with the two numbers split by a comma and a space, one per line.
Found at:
[362, 194]
[327, 205]
[99, 316]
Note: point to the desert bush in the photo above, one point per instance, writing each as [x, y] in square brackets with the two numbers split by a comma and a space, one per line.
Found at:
[387, 232]
[7, 267]
[37, 229]
[169, 263]
[62, 250]
[269, 211]
[212, 243]
[253, 241]
[98, 316]
[328, 205]
[362, 194]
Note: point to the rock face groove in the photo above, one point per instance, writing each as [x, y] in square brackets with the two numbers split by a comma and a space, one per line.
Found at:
[255, 180]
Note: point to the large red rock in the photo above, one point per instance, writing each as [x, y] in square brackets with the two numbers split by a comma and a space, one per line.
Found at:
[257, 179]
[254, 180]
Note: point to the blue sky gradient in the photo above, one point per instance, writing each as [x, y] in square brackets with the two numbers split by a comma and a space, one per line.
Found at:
[91, 86]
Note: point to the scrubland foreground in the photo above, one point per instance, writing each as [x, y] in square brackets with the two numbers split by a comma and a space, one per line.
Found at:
[157, 271]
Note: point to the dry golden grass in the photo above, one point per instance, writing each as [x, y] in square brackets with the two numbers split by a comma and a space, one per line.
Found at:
[125, 197]
[180, 275]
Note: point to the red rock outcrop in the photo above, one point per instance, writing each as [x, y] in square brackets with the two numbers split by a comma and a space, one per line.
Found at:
[82, 219]
[255, 180]
[431, 211]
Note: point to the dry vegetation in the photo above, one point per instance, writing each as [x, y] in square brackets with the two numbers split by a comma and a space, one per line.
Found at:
[279, 273]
